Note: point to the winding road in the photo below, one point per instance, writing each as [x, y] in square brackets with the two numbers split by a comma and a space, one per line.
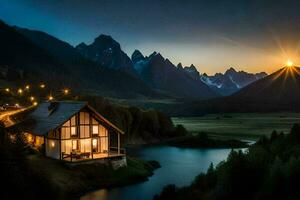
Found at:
[5, 116]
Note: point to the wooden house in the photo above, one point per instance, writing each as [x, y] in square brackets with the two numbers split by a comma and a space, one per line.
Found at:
[74, 131]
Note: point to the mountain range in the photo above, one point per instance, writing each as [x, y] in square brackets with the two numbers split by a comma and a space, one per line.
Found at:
[103, 68]
[225, 84]
[278, 91]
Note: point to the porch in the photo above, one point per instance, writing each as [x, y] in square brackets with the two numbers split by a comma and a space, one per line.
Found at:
[78, 156]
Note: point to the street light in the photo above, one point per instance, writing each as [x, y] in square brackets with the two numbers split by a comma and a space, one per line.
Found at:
[50, 98]
[66, 91]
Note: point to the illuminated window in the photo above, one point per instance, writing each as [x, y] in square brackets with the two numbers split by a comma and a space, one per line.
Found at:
[52, 144]
[95, 145]
[74, 144]
[95, 129]
[103, 131]
[73, 130]
[84, 118]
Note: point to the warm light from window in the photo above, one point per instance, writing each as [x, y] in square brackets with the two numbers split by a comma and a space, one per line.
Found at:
[35, 103]
[42, 86]
[50, 98]
[74, 144]
[73, 130]
[7, 89]
[20, 91]
[31, 98]
[95, 129]
[17, 105]
[52, 144]
[27, 87]
[94, 143]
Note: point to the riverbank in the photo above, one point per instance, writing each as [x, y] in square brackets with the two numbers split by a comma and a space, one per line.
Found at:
[202, 140]
[66, 182]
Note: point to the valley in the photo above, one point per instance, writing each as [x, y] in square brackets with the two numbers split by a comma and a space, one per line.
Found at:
[106, 100]
[245, 126]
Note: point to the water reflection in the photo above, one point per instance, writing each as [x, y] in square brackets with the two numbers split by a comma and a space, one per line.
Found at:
[179, 166]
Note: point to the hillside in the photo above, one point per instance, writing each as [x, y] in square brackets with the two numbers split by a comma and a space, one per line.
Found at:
[36, 57]
[276, 92]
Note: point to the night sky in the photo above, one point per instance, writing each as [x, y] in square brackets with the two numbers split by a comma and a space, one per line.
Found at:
[213, 35]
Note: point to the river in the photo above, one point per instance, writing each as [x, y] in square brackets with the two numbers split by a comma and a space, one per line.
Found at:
[179, 166]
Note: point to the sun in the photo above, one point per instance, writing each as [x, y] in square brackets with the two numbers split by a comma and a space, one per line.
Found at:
[289, 63]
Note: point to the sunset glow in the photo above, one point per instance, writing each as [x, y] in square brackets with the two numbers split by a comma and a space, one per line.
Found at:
[289, 63]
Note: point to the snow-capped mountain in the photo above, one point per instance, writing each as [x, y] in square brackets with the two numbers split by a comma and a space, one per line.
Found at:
[229, 82]
[160, 74]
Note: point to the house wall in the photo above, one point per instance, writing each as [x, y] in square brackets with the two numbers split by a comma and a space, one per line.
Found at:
[84, 133]
[52, 148]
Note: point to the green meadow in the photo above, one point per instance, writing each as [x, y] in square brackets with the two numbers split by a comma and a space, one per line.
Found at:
[239, 125]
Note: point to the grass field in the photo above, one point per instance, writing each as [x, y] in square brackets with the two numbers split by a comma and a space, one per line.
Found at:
[240, 126]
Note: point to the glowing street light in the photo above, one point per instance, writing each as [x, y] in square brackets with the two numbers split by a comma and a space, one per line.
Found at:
[50, 98]
[66, 91]
[35, 103]
[7, 89]
[20, 91]
[32, 98]
[42, 86]
[27, 87]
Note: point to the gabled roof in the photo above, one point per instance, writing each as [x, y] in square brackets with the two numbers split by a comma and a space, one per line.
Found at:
[50, 115]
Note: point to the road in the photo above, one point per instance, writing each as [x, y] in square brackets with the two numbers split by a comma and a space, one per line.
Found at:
[5, 116]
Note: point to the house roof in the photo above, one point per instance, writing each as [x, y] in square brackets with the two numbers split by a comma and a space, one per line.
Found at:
[50, 115]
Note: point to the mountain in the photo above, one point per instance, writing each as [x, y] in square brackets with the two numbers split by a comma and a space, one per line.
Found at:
[39, 57]
[228, 83]
[282, 86]
[192, 71]
[161, 75]
[108, 53]
[276, 92]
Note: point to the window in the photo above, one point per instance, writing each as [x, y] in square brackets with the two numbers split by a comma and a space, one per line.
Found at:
[73, 121]
[65, 132]
[94, 121]
[103, 131]
[74, 144]
[95, 130]
[84, 131]
[73, 131]
[84, 118]
[95, 145]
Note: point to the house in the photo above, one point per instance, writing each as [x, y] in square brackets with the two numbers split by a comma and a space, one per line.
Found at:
[73, 131]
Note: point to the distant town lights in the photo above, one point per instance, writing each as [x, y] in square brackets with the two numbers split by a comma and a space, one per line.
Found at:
[7, 89]
[35, 103]
[27, 87]
[42, 86]
[66, 91]
[20, 91]
[50, 98]
[32, 98]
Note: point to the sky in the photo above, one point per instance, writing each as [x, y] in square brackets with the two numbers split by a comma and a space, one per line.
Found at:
[254, 35]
